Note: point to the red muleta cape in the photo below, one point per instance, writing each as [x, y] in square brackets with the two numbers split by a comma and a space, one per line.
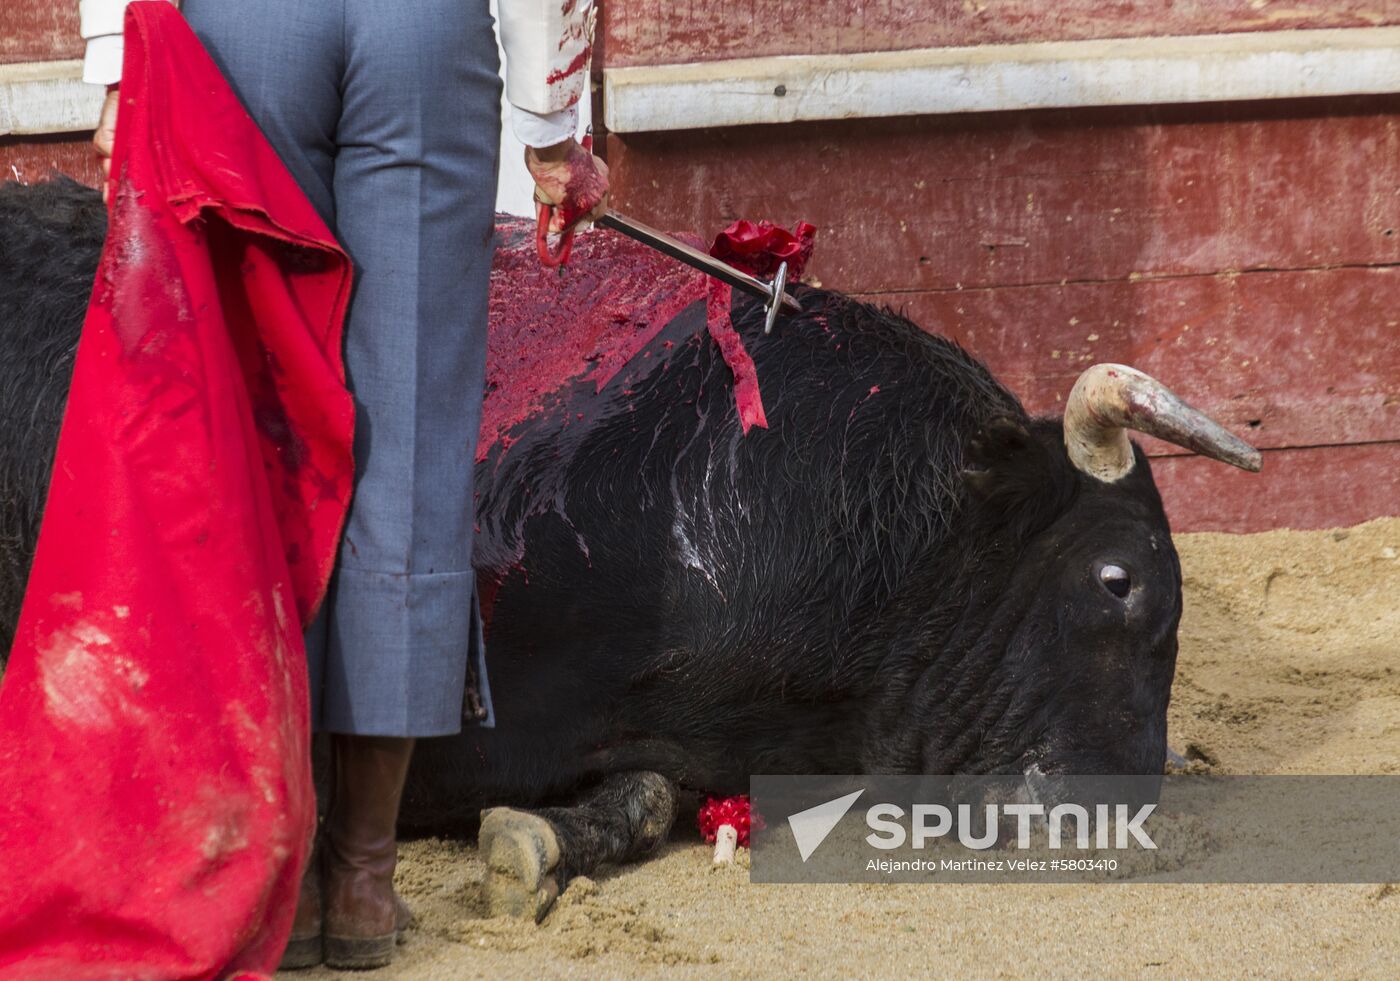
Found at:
[155, 789]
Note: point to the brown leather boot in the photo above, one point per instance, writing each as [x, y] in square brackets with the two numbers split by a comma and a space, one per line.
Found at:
[304, 946]
[362, 916]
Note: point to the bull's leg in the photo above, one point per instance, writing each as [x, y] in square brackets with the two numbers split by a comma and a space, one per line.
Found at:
[531, 855]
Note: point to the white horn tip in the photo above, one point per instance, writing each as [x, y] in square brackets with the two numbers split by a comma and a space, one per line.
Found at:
[1251, 459]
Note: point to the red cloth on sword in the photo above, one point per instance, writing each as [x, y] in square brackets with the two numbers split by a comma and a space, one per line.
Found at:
[155, 791]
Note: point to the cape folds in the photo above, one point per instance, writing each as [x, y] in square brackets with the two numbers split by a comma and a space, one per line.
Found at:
[155, 789]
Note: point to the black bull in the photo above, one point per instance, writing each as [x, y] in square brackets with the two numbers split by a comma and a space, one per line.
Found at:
[905, 573]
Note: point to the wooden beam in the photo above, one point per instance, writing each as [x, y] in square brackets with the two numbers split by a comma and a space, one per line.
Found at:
[47, 97]
[986, 78]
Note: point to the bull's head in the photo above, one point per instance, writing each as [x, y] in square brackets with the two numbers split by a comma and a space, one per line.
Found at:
[1082, 618]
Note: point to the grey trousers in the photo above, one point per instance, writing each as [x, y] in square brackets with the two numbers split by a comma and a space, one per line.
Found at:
[388, 116]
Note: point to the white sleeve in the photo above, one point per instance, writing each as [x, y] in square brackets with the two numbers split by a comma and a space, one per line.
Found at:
[102, 61]
[547, 44]
[100, 23]
[543, 129]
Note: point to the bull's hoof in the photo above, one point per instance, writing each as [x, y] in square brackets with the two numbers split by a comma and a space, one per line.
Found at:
[521, 852]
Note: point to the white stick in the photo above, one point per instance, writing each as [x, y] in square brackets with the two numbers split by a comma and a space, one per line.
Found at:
[726, 840]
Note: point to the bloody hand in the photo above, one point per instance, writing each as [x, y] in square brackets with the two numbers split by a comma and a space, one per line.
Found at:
[570, 179]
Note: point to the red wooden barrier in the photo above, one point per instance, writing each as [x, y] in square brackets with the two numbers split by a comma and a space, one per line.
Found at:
[38, 159]
[661, 32]
[39, 30]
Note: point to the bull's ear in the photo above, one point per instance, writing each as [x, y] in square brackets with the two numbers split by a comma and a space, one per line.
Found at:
[1011, 468]
[994, 454]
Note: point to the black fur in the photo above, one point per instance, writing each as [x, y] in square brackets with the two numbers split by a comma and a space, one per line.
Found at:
[900, 575]
[50, 237]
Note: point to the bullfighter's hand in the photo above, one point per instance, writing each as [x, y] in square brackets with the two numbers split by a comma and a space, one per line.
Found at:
[105, 134]
[571, 179]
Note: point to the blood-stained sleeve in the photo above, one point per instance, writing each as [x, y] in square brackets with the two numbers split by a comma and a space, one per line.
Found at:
[547, 44]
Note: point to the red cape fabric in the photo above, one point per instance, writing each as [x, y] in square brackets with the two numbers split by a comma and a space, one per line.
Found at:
[155, 790]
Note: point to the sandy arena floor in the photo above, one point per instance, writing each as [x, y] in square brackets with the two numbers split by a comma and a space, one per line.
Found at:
[1290, 663]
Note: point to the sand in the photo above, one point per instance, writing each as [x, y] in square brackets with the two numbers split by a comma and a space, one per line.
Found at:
[1290, 663]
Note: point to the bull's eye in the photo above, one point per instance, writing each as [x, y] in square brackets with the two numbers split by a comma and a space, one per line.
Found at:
[1115, 580]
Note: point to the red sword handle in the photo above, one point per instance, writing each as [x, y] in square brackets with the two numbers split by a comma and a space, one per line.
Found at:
[544, 214]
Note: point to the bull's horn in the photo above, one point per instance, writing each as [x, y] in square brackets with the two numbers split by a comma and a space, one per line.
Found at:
[1109, 399]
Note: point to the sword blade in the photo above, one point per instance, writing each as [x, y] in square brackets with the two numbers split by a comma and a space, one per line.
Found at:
[694, 258]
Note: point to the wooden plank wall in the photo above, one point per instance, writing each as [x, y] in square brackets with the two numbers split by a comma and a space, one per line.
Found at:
[39, 30]
[31, 160]
[661, 32]
[1244, 253]
[42, 30]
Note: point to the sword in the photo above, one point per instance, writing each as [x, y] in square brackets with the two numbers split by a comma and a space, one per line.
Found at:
[707, 264]
[773, 294]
